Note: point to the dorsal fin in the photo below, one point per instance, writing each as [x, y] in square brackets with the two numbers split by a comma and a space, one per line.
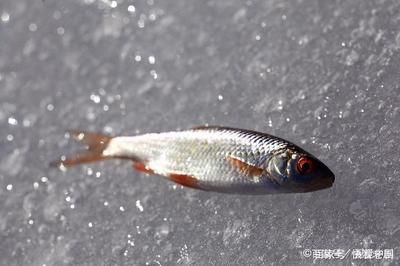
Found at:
[206, 126]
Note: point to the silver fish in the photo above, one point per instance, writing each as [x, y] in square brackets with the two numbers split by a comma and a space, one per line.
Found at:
[212, 158]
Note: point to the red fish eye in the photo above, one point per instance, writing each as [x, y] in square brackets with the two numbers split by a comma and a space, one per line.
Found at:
[305, 165]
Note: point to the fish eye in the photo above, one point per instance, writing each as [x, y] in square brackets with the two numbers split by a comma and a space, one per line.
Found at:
[305, 165]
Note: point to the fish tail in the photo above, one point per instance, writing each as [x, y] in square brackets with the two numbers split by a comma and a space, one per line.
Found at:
[96, 144]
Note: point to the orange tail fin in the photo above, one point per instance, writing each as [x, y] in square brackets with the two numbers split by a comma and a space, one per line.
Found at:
[96, 143]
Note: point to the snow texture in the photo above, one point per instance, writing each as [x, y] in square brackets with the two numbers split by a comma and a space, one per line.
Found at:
[323, 74]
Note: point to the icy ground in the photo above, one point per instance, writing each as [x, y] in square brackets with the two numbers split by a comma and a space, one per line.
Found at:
[323, 74]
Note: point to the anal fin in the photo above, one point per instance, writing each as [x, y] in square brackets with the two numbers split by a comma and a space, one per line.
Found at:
[142, 167]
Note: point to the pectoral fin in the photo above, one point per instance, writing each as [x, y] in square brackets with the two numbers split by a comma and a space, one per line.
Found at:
[244, 167]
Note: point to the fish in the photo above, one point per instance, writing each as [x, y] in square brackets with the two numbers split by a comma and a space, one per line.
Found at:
[211, 158]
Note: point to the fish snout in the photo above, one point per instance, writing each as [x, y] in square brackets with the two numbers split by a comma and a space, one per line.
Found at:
[327, 177]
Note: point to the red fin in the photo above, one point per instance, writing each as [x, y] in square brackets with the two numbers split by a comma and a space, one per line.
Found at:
[96, 145]
[184, 180]
[200, 127]
[79, 158]
[206, 126]
[93, 140]
[141, 167]
[244, 167]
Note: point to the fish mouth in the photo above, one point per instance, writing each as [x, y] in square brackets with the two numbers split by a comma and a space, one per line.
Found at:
[330, 177]
[324, 182]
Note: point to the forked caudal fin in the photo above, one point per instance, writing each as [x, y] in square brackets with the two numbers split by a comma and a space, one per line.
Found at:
[96, 144]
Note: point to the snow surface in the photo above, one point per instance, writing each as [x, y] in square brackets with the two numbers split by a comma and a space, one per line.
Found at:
[323, 74]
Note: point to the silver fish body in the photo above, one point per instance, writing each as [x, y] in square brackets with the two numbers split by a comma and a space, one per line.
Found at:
[221, 159]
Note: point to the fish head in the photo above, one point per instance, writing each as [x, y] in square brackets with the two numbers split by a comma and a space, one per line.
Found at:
[295, 170]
